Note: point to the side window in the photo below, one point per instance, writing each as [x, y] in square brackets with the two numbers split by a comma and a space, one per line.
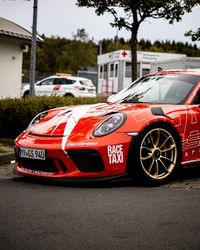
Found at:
[64, 81]
[197, 99]
[56, 81]
[47, 82]
[70, 81]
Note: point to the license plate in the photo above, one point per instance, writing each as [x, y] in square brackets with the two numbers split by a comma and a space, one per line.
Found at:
[32, 153]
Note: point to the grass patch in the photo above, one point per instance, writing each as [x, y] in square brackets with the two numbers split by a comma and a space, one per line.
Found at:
[6, 145]
[7, 142]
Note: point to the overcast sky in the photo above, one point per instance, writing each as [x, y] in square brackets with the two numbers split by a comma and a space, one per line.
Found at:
[63, 18]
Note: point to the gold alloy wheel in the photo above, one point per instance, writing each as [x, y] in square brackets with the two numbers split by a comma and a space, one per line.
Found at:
[158, 153]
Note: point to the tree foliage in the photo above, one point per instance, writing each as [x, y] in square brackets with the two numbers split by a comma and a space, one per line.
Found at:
[195, 35]
[81, 35]
[63, 55]
[69, 55]
[167, 46]
[133, 13]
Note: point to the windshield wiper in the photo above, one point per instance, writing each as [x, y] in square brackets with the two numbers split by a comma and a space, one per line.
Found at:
[129, 101]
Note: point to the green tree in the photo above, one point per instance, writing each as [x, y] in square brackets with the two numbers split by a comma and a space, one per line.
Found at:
[79, 54]
[135, 12]
[81, 35]
[63, 55]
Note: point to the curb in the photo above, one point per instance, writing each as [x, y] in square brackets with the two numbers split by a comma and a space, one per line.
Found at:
[6, 158]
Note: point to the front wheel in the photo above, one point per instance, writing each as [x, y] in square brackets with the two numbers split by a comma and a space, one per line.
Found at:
[157, 154]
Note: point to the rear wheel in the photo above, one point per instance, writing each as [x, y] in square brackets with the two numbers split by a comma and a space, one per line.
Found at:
[157, 153]
[68, 95]
[26, 94]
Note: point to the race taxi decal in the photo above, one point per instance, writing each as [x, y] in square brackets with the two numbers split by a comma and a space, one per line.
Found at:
[115, 154]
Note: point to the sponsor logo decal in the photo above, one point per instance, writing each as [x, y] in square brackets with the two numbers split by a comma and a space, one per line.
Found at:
[82, 144]
[30, 171]
[191, 146]
[115, 154]
[193, 140]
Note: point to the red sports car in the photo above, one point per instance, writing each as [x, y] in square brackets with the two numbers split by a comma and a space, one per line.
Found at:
[147, 130]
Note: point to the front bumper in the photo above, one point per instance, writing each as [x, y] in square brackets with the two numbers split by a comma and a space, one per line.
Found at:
[82, 160]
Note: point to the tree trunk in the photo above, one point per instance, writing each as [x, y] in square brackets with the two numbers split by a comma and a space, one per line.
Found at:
[134, 53]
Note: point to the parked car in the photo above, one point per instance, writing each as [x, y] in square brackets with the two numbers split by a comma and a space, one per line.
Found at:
[147, 131]
[62, 86]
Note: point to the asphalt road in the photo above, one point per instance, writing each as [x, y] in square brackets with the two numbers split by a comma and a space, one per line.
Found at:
[110, 215]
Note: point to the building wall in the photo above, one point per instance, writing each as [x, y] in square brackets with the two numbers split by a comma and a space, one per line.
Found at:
[182, 63]
[168, 64]
[123, 58]
[10, 68]
[92, 75]
[192, 62]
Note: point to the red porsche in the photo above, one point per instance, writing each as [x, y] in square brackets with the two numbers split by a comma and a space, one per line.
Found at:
[147, 131]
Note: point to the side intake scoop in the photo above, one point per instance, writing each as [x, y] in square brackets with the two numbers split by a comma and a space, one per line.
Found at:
[157, 111]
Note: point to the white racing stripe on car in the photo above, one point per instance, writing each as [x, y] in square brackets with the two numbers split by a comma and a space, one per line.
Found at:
[73, 119]
[61, 121]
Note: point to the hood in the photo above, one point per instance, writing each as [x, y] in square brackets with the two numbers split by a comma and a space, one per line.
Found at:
[83, 118]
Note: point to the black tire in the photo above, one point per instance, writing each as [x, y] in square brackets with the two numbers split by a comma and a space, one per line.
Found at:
[26, 94]
[68, 95]
[155, 155]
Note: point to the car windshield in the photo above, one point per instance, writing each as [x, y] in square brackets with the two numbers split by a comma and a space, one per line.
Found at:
[166, 89]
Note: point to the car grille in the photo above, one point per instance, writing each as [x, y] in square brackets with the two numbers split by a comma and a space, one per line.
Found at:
[87, 160]
[38, 165]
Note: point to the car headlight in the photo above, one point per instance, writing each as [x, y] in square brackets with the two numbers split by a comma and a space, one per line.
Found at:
[110, 125]
[37, 118]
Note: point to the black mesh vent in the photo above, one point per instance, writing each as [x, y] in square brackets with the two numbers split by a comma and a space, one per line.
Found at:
[87, 160]
[62, 165]
[38, 165]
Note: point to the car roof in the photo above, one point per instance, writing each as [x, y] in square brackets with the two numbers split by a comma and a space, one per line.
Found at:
[77, 78]
[180, 71]
[68, 77]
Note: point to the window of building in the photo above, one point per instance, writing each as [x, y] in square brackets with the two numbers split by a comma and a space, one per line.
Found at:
[128, 69]
[105, 71]
[101, 72]
[116, 69]
[145, 71]
[112, 70]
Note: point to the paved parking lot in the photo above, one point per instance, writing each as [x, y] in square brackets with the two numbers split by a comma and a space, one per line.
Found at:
[38, 214]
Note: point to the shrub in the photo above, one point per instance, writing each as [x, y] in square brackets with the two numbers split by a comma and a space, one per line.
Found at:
[16, 114]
